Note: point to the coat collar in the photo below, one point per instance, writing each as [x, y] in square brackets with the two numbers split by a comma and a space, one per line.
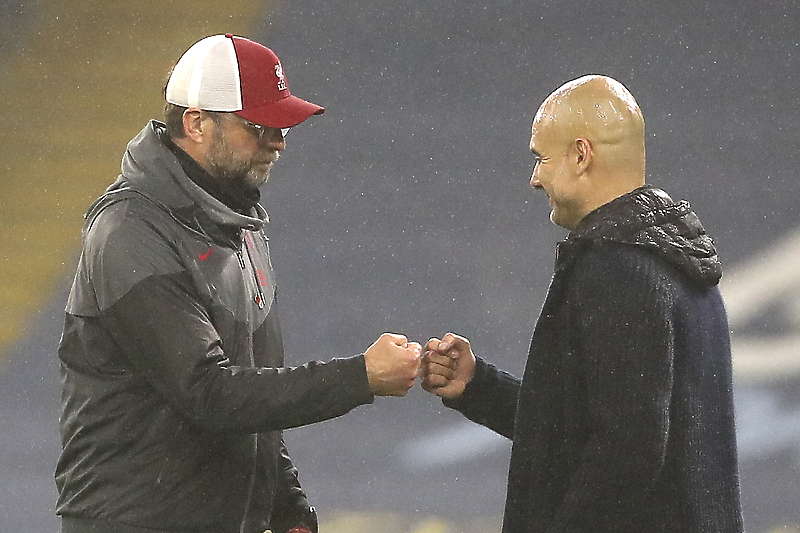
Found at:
[648, 218]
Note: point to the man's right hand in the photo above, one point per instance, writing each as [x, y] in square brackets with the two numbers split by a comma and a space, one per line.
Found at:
[448, 365]
[392, 365]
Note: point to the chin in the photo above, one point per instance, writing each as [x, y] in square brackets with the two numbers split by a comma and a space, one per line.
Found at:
[258, 175]
[560, 222]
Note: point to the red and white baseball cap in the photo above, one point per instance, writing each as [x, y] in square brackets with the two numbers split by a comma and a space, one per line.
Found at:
[233, 74]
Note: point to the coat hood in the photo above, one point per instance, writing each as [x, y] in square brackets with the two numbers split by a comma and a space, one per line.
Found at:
[150, 169]
[649, 218]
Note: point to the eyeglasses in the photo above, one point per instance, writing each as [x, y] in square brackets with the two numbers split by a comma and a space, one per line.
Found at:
[260, 130]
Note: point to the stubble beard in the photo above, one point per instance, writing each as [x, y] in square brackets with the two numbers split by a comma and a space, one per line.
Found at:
[224, 165]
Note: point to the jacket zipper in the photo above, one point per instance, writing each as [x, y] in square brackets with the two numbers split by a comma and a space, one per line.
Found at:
[259, 299]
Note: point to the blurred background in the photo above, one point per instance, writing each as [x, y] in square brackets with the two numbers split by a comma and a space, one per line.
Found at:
[407, 208]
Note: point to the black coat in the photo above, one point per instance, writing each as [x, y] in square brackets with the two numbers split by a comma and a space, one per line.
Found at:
[623, 420]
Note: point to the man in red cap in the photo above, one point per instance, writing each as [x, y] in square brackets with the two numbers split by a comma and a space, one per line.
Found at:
[175, 393]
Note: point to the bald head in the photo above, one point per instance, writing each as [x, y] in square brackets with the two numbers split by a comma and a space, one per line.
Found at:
[598, 108]
[594, 129]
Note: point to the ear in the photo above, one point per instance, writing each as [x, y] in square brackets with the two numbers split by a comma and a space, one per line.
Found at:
[584, 153]
[193, 124]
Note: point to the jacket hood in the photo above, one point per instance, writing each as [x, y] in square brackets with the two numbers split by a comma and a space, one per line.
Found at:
[649, 218]
[151, 169]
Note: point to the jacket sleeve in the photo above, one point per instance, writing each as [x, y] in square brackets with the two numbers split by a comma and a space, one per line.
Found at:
[623, 333]
[489, 399]
[149, 305]
[290, 506]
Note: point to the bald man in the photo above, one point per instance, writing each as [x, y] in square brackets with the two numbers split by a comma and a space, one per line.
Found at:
[623, 420]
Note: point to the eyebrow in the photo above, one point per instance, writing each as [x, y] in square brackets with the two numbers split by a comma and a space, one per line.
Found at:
[536, 154]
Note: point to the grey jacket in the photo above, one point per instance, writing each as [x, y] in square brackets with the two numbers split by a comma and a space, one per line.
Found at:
[174, 386]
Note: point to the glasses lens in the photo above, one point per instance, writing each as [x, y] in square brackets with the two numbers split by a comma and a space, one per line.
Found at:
[284, 131]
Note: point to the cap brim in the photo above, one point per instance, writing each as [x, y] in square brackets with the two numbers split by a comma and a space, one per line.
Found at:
[284, 113]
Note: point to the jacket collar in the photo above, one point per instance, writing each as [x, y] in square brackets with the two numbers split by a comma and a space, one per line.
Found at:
[239, 198]
[648, 218]
[150, 168]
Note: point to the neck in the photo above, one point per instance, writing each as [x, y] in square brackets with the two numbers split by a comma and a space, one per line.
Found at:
[609, 186]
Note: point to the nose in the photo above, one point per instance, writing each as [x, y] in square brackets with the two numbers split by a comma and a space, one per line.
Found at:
[535, 181]
[274, 139]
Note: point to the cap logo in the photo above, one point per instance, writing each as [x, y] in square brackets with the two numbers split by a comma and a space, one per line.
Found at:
[281, 77]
